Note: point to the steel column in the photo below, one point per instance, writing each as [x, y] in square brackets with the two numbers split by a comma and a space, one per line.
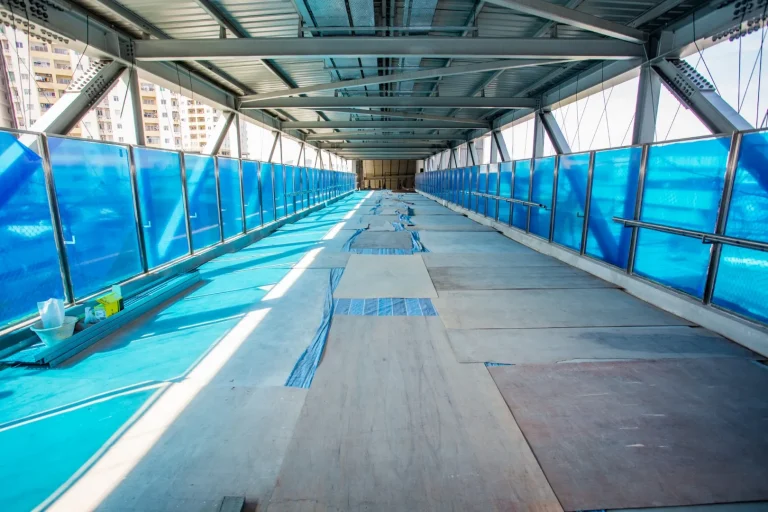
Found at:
[647, 106]
[554, 132]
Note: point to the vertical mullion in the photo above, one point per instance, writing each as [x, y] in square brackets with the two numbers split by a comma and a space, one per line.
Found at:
[587, 203]
[218, 197]
[638, 208]
[242, 192]
[722, 215]
[137, 211]
[185, 200]
[530, 196]
[58, 232]
[554, 198]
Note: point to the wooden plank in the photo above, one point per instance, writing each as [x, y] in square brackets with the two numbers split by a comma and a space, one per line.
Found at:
[645, 433]
[517, 309]
[393, 422]
[546, 346]
[511, 278]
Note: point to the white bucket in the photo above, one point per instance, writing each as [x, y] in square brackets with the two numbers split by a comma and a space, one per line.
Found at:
[54, 335]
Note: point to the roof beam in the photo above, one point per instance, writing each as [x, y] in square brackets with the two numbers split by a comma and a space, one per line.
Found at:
[366, 145]
[319, 103]
[378, 136]
[402, 77]
[574, 18]
[356, 47]
[397, 114]
[383, 125]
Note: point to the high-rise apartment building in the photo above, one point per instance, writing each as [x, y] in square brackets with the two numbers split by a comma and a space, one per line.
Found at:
[37, 74]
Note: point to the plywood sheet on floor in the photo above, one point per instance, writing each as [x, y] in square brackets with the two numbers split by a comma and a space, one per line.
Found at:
[382, 240]
[469, 242]
[227, 441]
[520, 258]
[508, 278]
[372, 276]
[645, 433]
[546, 346]
[515, 309]
[393, 423]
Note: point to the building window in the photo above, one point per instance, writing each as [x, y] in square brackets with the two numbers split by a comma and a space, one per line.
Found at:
[61, 51]
[6, 46]
[19, 44]
[119, 126]
[165, 114]
[115, 98]
[39, 47]
[162, 102]
[167, 141]
[121, 139]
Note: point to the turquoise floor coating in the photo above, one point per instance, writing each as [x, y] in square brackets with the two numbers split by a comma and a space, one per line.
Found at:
[161, 347]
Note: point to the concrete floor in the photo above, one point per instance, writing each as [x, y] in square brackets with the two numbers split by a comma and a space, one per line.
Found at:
[188, 404]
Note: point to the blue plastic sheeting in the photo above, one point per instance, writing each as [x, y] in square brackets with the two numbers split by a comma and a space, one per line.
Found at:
[522, 179]
[279, 175]
[30, 268]
[572, 174]
[614, 190]
[158, 175]
[541, 192]
[742, 277]
[505, 190]
[490, 365]
[382, 251]
[61, 444]
[683, 188]
[384, 307]
[482, 187]
[347, 247]
[416, 244]
[231, 201]
[251, 194]
[267, 176]
[96, 210]
[304, 371]
[493, 189]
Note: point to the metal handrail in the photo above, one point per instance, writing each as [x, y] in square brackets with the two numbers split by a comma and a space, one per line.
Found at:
[706, 238]
[511, 200]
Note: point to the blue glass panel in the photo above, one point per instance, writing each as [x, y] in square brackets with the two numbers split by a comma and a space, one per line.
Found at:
[93, 186]
[158, 174]
[251, 193]
[267, 193]
[201, 194]
[614, 189]
[304, 187]
[482, 187]
[231, 202]
[290, 189]
[541, 192]
[279, 172]
[505, 190]
[30, 267]
[683, 188]
[522, 178]
[493, 189]
[572, 174]
[473, 188]
[467, 187]
[742, 276]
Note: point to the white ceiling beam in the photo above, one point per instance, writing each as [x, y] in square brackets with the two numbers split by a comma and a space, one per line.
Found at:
[401, 77]
[318, 103]
[355, 47]
[574, 18]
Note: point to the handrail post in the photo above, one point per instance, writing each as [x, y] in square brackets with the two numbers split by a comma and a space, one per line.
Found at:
[587, 203]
